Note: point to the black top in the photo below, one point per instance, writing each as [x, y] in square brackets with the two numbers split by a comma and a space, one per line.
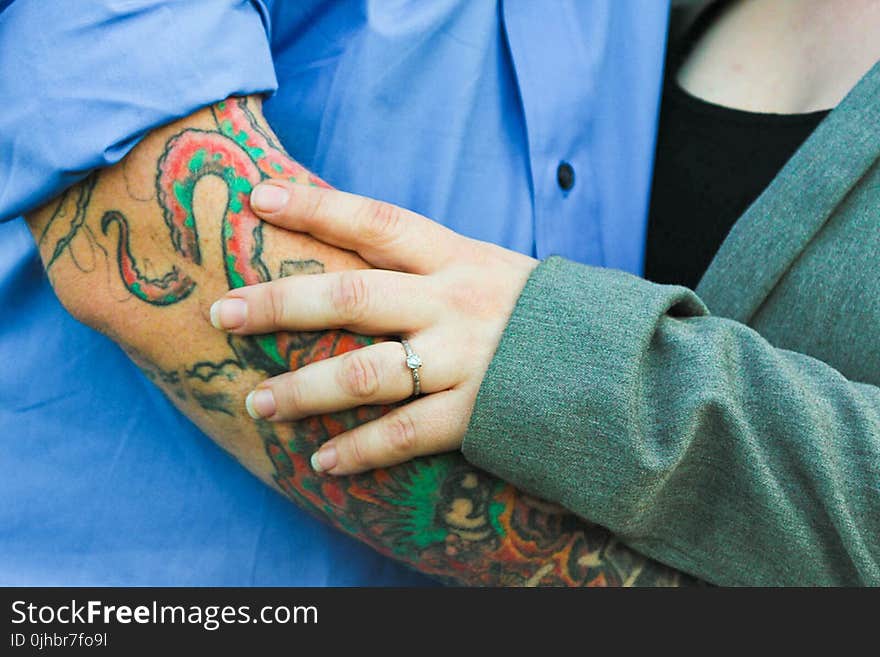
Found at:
[711, 163]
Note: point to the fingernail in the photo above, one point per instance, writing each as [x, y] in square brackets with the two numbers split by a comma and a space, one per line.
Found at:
[269, 198]
[260, 403]
[324, 459]
[228, 314]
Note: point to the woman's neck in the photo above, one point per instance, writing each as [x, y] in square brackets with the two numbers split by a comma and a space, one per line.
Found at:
[784, 56]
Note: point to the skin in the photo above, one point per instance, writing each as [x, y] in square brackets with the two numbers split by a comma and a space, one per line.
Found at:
[451, 296]
[784, 56]
[140, 252]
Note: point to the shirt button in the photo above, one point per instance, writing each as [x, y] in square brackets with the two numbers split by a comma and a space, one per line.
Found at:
[565, 176]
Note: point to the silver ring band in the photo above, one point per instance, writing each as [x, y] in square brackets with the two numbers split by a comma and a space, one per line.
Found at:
[413, 362]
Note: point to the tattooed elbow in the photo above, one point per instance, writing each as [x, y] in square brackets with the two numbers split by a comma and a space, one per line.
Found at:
[82, 303]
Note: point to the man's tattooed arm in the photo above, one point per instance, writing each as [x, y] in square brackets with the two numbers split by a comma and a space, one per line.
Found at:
[141, 250]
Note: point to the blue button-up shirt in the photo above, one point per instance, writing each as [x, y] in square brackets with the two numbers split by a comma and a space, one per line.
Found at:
[462, 110]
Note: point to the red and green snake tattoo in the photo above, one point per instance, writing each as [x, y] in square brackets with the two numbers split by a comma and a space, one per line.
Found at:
[439, 514]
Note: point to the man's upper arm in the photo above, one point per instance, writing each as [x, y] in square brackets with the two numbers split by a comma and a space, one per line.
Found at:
[82, 82]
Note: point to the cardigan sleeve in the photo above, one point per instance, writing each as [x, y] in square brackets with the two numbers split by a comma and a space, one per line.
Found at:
[689, 436]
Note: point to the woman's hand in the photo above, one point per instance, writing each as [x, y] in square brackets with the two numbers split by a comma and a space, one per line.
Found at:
[448, 295]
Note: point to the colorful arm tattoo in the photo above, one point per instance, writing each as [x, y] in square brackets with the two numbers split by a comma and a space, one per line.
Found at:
[439, 515]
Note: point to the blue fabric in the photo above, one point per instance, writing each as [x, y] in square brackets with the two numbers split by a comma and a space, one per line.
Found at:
[459, 109]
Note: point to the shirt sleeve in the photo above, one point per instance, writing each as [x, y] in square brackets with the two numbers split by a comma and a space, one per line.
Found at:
[82, 82]
[689, 436]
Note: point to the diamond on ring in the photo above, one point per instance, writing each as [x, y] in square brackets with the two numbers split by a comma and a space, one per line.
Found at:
[413, 362]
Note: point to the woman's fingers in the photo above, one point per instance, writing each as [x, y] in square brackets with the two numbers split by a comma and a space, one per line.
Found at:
[384, 235]
[369, 301]
[429, 425]
[373, 375]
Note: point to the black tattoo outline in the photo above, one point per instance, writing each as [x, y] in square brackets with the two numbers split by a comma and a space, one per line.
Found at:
[218, 402]
[205, 370]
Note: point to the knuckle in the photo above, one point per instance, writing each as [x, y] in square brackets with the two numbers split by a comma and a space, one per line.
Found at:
[314, 205]
[350, 297]
[276, 300]
[291, 397]
[381, 222]
[359, 375]
[470, 300]
[359, 458]
[401, 433]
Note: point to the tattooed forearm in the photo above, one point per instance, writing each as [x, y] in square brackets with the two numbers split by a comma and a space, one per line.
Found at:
[167, 379]
[172, 248]
[206, 370]
[218, 402]
[294, 267]
[72, 225]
